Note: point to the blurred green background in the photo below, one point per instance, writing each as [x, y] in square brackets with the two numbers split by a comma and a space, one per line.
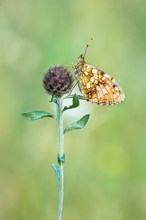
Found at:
[105, 171]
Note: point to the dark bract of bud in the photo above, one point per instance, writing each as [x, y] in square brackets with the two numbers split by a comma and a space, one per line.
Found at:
[58, 80]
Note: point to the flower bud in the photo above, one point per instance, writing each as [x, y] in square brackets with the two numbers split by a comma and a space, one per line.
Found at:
[58, 80]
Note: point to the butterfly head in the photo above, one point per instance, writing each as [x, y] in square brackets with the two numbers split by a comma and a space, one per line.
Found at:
[81, 59]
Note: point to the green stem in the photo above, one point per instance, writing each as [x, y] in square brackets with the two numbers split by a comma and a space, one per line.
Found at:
[60, 154]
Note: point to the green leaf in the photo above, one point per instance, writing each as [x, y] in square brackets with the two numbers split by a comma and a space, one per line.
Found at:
[57, 171]
[78, 124]
[35, 115]
[61, 159]
[75, 103]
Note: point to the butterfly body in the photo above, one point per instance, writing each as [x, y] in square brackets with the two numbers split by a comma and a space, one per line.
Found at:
[96, 85]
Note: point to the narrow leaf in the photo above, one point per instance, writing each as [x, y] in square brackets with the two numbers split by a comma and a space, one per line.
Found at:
[78, 124]
[75, 103]
[79, 97]
[57, 171]
[35, 115]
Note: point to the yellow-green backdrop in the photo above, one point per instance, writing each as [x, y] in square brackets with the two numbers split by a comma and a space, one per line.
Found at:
[105, 170]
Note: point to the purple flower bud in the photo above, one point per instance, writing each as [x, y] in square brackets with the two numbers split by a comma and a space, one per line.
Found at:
[58, 80]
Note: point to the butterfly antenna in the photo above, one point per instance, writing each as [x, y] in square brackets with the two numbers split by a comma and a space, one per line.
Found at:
[87, 47]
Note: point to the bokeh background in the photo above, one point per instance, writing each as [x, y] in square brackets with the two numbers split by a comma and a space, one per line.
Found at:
[105, 171]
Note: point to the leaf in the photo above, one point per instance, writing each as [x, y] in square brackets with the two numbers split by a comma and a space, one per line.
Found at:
[57, 171]
[79, 97]
[35, 115]
[75, 103]
[78, 124]
[61, 159]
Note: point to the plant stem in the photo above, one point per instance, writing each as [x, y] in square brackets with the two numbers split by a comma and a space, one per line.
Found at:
[60, 154]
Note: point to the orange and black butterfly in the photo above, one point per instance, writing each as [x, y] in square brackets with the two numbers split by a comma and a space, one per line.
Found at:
[96, 85]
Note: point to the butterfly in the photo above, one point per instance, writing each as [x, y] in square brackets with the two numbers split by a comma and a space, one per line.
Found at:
[96, 85]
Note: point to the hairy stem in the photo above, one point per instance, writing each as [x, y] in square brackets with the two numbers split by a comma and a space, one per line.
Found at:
[60, 154]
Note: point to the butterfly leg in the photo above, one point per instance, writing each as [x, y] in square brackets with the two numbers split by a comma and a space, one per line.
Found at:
[73, 87]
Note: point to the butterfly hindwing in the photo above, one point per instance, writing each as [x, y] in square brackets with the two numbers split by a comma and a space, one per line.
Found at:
[96, 85]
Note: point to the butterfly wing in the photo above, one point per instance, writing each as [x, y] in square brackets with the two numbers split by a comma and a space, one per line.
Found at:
[99, 87]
